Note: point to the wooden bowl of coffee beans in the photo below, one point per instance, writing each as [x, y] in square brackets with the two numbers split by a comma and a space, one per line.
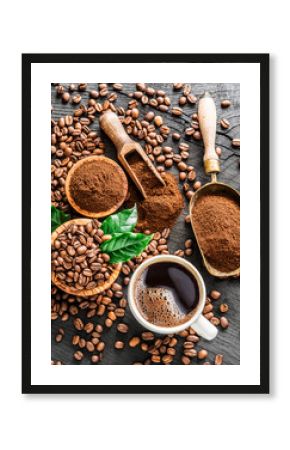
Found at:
[78, 266]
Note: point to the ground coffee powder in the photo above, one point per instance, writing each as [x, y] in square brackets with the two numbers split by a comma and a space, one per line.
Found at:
[216, 221]
[162, 205]
[95, 186]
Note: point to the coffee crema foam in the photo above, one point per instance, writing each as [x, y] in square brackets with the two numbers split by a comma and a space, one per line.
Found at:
[158, 306]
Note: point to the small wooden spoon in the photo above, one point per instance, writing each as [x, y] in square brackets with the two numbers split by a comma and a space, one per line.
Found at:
[112, 126]
[85, 292]
[119, 173]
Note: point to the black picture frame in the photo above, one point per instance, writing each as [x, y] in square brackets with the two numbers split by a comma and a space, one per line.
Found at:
[27, 60]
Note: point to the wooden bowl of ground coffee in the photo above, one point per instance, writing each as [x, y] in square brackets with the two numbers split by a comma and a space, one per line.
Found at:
[96, 186]
[77, 265]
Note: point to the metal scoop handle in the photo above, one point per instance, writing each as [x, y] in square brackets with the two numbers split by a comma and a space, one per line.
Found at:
[207, 125]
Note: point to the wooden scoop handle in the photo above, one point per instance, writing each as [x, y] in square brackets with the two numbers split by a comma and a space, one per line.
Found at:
[113, 128]
[207, 124]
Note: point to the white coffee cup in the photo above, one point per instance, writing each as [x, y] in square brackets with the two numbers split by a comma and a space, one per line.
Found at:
[197, 321]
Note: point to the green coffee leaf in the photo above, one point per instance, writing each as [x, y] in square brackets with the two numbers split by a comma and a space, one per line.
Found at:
[124, 246]
[57, 217]
[121, 222]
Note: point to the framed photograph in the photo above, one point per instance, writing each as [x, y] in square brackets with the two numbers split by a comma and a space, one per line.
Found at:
[146, 226]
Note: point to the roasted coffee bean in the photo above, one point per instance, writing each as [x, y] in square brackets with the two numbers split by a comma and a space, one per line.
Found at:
[108, 322]
[100, 347]
[182, 176]
[186, 90]
[224, 307]
[197, 135]
[224, 322]
[118, 86]
[155, 359]
[167, 359]
[147, 336]
[171, 351]
[76, 99]
[215, 321]
[191, 352]
[82, 86]
[176, 111]
[215, 295]
[225, 103]
[95, 359]
[202, 354]
[176, 136]
[134, 341]
[122, 328]
[90, 346]
[94, 94]
[191, 99]
[178, 86]
[82, 343]
[218, 151]
[191, 175]
[75, 339]
[119, 345]
[192, 338]
[182, 100]
[158, 121]
[236, 142]
[78, 324]
[196, 185]
[208, 308]
[188, 243]
[185, 360]
[173, 341]
[58, 337]
[65, 97]
[225, 123]
[88, 328]
[78, 355]
[218, 360]
[141, 87]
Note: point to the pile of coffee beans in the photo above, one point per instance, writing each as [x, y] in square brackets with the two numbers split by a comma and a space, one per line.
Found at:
[76, 257]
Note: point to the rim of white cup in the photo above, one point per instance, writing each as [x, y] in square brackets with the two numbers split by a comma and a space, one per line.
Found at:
[131, 294]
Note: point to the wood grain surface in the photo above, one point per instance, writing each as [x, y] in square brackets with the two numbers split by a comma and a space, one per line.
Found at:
[227, 341]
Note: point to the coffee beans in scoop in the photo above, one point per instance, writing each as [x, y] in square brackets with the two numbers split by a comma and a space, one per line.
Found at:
[76, 257]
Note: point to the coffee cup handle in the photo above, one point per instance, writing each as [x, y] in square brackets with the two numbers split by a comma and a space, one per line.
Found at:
[204, 328]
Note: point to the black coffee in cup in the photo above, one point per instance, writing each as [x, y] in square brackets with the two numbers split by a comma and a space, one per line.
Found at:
[166, 294]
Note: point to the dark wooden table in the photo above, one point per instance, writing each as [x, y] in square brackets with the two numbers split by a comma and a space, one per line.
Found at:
[227, 341]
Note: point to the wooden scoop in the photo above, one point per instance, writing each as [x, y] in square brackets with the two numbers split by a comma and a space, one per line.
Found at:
[113, 128]
[207, 124]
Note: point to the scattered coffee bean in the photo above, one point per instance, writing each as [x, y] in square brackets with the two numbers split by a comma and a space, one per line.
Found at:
[224, 322]
[95, 359]
[218, 151]
[225, 123]
[122, 328]
[224, 307]
[225, 103]
[147, 336]
[78, 355]
[119, 345]
[202, 354]
[218, 360]
[215, 295]
[134, 341]
[236, 142]
[185, 360]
